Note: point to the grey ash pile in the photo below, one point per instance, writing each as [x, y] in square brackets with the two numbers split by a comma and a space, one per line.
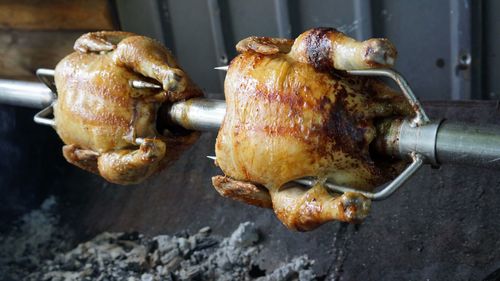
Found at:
[35, 238]
[37, 249]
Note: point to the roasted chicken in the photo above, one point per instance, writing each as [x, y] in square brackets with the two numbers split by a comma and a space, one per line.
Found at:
[109, 127]
[293, 112]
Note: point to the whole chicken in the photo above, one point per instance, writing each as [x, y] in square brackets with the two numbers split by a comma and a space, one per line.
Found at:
[109, 126]
[293, 112]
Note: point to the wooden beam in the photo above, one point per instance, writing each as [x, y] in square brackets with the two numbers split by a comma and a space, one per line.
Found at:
[57, 15]
[22, 52]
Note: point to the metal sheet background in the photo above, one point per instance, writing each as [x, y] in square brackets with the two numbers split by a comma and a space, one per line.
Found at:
[432, 36]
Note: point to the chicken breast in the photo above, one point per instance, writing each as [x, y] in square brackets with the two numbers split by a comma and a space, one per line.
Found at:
[293, 112]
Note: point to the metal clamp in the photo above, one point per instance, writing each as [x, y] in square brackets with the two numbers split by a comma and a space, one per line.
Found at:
[419, 120]
[47, 77]
[42, 117]
[421, 117]
[388, 190]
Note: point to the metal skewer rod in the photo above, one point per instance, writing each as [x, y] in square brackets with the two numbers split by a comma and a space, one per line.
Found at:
[23, 93]
[446, 142]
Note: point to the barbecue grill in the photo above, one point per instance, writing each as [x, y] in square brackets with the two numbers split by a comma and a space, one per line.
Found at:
[443, 222]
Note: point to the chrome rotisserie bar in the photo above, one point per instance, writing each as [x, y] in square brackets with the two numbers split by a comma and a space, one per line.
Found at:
[444, 142]
[22, 93]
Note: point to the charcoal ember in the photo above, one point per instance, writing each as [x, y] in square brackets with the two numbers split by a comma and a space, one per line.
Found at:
[32, 240]
[162, 270]
[131, 256]
[245, 235]
[189, 273]
[173, 263]
[205, 243]
[152, 245]
[147, 277]
[154, 258]
[298, 268]
[167, 257]
[205, 231]
[184, 246]
[182, 234]
[130, 236]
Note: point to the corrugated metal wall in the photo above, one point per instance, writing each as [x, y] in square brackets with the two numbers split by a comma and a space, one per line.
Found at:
[446, 48]
[491, 56]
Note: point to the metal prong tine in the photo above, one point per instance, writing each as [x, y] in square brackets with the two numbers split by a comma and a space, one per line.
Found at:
[42, 117]
[139, 84]
[421, 117]
[223, 68]
[140, 141]
[212, 157]
[47, 77]
[45, 72]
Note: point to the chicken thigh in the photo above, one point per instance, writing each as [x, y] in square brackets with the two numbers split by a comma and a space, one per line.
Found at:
[109, 127]
[293, 112]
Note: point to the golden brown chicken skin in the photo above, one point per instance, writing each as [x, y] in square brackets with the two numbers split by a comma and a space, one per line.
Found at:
[292, 112]
[109, 127]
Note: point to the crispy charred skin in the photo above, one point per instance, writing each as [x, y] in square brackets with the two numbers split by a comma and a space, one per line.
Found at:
[292, 114]
[109, 127]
